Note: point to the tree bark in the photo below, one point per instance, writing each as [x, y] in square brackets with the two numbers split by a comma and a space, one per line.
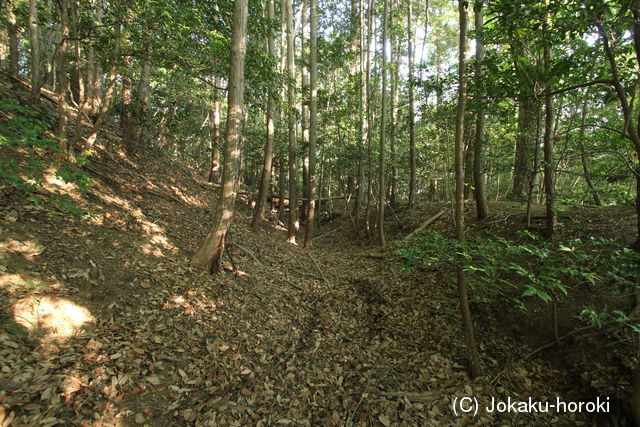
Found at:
[482, 208]
[265, 178]
[472, 351]
[12, 30]
[549, 165]
[209, 254]
[313, 124]
[412, 114]
[143, 104]
[214, 168]
[395, 58]
[362, 119]
[383, 118]
[63, 82]
[126, 112]
[106, 97]
[35, 47]
[293, 166]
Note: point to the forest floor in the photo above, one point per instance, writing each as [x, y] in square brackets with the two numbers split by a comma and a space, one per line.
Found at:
[104, 323]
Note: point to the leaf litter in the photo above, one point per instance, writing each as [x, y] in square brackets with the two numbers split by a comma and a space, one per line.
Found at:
[334, 338]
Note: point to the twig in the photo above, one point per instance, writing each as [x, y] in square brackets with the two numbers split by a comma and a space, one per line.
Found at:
[355, 411]
[330, 232]
[247, 251]
[324, 278]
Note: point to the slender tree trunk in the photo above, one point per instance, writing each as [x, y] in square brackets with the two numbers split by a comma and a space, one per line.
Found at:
[363, 129]
[369, 113]
[143, 104]
[209, 254]
[291, 96]
[63, 82]
[126, 113]
[549, 165]
[383, 118]
[583, 156]
[395, 58]
[12, 29]
[313, 124]
[106, 97]
[534, 172]
[35, 47]
[412, 114]
[265, 179]
[482, 207]
[214, 169]
[459, 204]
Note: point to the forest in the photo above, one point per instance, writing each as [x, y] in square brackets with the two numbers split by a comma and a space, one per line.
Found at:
[312, 212]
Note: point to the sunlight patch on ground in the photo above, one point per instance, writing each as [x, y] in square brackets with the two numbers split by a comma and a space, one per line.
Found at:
[28, 248]
[51, 316]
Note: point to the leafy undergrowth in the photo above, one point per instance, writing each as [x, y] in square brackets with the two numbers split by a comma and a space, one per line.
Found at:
[104, 323]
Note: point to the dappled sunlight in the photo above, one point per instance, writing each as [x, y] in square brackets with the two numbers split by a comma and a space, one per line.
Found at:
[51, 317]
[29, 249]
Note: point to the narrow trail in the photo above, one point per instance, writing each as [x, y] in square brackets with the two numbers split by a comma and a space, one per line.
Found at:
[327, 336]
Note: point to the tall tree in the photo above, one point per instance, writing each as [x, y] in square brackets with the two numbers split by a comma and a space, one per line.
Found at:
[293, 143]
[412, 114]
[35, 46]
[61, 75]
[549, 165]
[12, 30]
[265, 178]
[209, 254]
[482, 208]
[313, 123]
[459, 194]
[383, 118]
[362, 119]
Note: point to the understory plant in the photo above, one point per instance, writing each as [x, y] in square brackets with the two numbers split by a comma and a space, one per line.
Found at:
[24, 132]
[529, 266]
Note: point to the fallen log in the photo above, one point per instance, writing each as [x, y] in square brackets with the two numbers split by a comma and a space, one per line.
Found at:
[424, 225]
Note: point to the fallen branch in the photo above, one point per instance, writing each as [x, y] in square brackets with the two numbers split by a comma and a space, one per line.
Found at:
[247, 251]
[324, 278]
[330, 232]
[424, 225]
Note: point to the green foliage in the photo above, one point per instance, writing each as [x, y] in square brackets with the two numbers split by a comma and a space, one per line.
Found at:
[24, 133]
[530, 266]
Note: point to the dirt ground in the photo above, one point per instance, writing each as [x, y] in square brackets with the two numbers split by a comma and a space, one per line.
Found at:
[103, 322]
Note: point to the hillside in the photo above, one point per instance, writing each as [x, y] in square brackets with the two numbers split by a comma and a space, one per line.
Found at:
[104, 322]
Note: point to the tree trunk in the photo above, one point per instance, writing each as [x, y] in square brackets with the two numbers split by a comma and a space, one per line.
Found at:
[383, 118]
[143, 104]
[35, 47]
[209, 254]
[395, 58]
[369, 113]
[63, 82]
[126, 113]
[363, 129]
[12, 30]
[265, 178]
[412, 114]
[291, 96]
[549, 165]
[474, 361]
[482, 208]
[313, 124]
[527, 108]
[106, 97]
[214, 169]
